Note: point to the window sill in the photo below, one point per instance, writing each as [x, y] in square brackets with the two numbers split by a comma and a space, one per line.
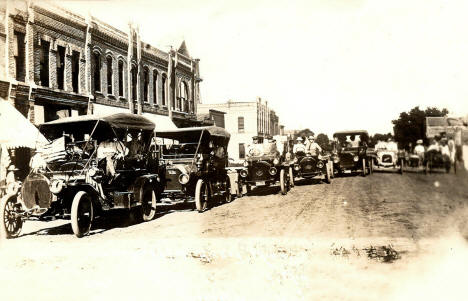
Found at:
[111, 96]
[122, 98]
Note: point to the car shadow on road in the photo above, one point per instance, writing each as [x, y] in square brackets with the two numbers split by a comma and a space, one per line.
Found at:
[303, 182]
[117, 218]
[264, 190]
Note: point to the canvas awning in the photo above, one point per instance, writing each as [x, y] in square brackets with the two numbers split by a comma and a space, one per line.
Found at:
[16, 130]
[163, 123]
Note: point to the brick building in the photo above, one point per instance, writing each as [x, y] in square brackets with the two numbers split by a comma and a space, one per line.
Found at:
[54, 63]
[245, 120]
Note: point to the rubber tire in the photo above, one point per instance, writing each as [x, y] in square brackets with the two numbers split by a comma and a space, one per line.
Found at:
[291, 177]
[327, 176]
[227, 192]
[371, 166]
[364, 167]
[455, 167]
[4, 232]
[78, 200]
[283, 185]
[200, 204]
[332, 170]
[147, 215]
[401, 167]
[239, 188]
[248, 188]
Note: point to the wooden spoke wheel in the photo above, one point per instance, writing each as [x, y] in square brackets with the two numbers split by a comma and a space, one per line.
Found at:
[10, 214]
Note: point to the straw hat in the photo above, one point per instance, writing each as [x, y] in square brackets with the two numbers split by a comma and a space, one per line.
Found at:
[299, 139]
[419, 141]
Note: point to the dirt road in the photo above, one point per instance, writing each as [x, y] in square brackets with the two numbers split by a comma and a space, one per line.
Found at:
[312, 244]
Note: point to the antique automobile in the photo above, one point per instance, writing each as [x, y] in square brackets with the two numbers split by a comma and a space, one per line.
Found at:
[264, 166]
[91, 164]
[350, 152]
[193, 164]
[434, 160]
[307, 166]
[388, 160]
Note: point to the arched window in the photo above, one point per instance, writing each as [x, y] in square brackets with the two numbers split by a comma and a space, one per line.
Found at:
[121, 78]
[145, 85]
[163, 86]
[134, 82]
[97, 71]
[155, 86]
[110, 72]
[183, 97]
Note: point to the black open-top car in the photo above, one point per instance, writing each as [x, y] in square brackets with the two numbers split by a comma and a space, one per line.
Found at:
[350, 152]
[307, 166]
[267, 168]
[92, 163]
[193, 162]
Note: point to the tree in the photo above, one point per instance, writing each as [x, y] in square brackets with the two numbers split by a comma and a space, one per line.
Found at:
[411, 126]
[303, 133]
[323, 141]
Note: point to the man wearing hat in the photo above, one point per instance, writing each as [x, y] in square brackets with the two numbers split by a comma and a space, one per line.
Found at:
[419, 149]
[299, 147]
[312, 147]
[254, 149]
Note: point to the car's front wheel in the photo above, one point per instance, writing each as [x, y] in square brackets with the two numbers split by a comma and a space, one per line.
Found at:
[202, 195]
[148, 203]
[291, 177]
[82, 214]
[11, 222]
[364, 167]
[283, 184]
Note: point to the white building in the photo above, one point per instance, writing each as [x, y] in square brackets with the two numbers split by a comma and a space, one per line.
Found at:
[245, 120]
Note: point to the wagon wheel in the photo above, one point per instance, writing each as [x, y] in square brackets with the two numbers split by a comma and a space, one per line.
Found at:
[371, 166]
[12, 223]
[82, 214]
[363, 167]
[291, 177]
[202, 195]
[227, 192]
[283, 184]
[148, 203]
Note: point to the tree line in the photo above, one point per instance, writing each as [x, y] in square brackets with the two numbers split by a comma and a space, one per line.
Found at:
[407, 128]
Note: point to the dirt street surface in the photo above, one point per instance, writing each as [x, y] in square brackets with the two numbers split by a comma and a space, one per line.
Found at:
[382, 237]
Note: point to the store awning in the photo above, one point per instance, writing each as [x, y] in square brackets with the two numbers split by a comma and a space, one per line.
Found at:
[16, 130]
[163, 123]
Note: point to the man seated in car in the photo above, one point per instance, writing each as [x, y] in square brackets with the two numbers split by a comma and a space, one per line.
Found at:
[444, 149]
[299, 148]
[353, 141]
[433, 146]
[111, 150]
[391, 145]
[419, 149]
[254, 149]
[312, 147]
[269, 146]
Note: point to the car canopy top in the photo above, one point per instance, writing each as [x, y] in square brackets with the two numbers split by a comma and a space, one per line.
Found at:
[362, 133]
[102, 126]
[194, 134]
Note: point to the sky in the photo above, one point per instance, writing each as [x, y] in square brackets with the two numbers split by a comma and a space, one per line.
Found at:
[327, 65]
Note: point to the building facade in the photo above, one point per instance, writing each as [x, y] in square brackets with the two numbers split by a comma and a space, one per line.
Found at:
[245, 120]
[54, 63]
